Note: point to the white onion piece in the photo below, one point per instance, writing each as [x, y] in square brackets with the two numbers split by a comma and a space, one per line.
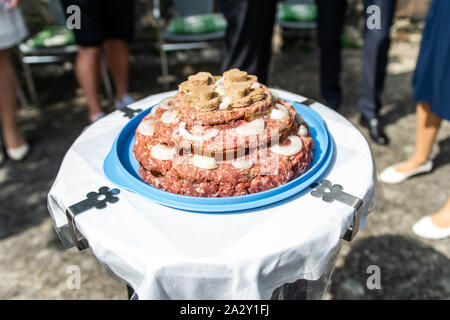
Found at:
[302, 131]
[293, 148]
[226, 102]
[220, 81]
[256, 85]
[299, 118]
[165, 103]
[204, 162]
[147, 127]
[251, 128]
[279, 112]
[169, 117]
[242, 164]
[206, 136]
[154, 109]
[220, 89]
[275, 96]
[162, 152]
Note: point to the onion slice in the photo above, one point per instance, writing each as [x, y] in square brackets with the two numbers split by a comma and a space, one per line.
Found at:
[162, 152]
[256, 85]
[251, 128]
[220, 89]
[242, 164]
[204, 162]
[275, 96]
[169, 117]
[165, 103]
[206, 136]
[279, 112]
[154, 109]
[293, 148]
[147, 127]
[302, 131]
[226, 102]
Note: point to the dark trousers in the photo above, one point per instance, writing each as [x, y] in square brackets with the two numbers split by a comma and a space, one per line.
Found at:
[249, 35]
[331, 19]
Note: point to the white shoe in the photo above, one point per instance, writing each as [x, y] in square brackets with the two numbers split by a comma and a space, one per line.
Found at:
[426, 229]
[19, 153]
[392, 176]
[98, 116]
[126, 100]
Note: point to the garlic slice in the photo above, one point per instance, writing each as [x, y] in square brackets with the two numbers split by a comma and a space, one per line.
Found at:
[204, 162]
[226, 102]
[302, 131]
[279, 112]
[242, 164]
[147, 127]
[169, 117]
[293, 148]
[165, 103]
[251, 128]
[162, 152]
[211, 133]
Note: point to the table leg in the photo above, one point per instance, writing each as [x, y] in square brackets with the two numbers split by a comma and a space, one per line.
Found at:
[308, 290]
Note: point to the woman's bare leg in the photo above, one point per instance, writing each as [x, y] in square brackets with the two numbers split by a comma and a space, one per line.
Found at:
[8, 103]
[117, 55]
[88, 75]
[426, 130]
[441, 219]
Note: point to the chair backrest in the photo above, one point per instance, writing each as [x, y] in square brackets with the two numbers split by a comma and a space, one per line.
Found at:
[187, 8]
[298, 1]
[57, 12]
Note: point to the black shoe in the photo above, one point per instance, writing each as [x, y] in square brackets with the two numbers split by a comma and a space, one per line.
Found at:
[375, 129]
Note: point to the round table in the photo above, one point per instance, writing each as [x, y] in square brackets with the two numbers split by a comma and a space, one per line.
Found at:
[165, 253]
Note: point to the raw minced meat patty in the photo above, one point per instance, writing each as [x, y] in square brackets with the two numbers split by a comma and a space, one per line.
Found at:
[226, 152]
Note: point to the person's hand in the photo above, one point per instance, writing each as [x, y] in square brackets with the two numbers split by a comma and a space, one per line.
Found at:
[10, 4]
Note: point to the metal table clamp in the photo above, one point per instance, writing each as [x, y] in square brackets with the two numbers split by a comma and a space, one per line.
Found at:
[98, 200]
[334, 192]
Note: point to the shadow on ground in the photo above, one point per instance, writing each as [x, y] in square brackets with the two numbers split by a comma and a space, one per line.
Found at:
[409, 270]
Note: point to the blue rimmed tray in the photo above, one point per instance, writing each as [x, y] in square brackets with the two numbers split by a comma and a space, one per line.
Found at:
[121, 167]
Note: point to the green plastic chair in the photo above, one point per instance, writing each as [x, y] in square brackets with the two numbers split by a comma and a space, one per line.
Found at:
[195, 27]
[54, 44]
[297, 14]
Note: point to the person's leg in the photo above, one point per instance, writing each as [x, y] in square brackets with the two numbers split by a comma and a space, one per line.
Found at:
[8, 103]
[88, 75]
[427, 127]
[441, 219]
[375, 57]
[330, 24]
[117, 56]
[249, 35]
[90, 38]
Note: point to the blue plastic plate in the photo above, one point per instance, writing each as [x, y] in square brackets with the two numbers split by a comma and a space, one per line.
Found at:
[121, 168]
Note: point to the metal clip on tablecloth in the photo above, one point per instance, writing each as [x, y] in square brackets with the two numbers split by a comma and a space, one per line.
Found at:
[98, 200]
[130, 113]
[330, 192]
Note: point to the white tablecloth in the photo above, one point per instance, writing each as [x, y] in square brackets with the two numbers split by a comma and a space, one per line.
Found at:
[165, 253]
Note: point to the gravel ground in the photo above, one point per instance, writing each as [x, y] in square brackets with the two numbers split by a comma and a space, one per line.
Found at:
[33, 264]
